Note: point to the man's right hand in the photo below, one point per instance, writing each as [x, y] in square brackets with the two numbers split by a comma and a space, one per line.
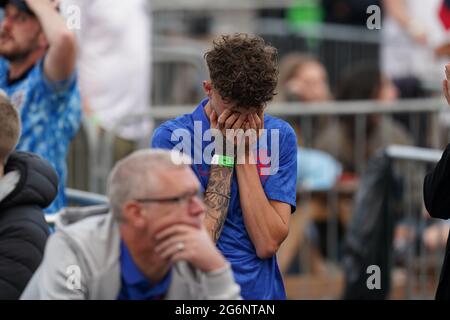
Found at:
[61, 56]
[229, 123]
[227, 120]
[186, 243]
[225, 127]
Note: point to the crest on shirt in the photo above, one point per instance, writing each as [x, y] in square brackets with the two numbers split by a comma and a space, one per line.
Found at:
[17, 99]
[263, 163]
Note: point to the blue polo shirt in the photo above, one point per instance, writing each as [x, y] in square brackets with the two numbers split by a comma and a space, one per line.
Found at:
[50, 114]
[135, 286]
[259, 279]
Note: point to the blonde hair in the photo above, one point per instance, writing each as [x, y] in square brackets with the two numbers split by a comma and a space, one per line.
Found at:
[10, 127]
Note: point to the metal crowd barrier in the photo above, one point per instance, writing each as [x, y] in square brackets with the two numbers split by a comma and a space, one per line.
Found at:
[421, 117]
[79, 198]
[416, 269]
[174, 66]
[83, 198]
[336, 46]
[162, 5]
[423, 266]
[178, 70]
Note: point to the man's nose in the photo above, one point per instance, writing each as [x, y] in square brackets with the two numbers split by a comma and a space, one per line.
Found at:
[197, 206]
[6, 24]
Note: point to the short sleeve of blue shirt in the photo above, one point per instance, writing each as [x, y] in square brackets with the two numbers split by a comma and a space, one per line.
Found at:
[161, 139]
[281, 184]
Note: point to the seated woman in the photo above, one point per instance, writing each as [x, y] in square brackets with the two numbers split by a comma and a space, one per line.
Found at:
[302, 79]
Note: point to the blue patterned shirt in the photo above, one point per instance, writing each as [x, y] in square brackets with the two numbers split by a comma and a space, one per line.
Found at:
[50, 114]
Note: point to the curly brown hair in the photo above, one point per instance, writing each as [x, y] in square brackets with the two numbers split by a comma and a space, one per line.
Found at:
[243, 69]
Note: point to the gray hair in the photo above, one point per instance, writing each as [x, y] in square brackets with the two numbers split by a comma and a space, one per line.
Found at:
[135, 176]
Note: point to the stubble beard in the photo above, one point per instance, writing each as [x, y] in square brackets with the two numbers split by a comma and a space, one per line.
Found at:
[16, 54]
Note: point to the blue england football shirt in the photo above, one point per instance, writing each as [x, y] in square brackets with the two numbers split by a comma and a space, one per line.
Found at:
[50, 114]
[259, 279]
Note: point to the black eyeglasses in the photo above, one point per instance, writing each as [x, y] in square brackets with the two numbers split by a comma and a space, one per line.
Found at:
[184, 198]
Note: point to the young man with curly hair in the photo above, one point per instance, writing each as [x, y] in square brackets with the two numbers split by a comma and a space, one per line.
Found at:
[248, 171]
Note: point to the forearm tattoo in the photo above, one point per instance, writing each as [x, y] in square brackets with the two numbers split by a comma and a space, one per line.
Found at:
[217, 199]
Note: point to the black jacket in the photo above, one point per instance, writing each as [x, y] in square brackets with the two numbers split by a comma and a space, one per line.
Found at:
[368, 240]
[436, 193]
[23, 230]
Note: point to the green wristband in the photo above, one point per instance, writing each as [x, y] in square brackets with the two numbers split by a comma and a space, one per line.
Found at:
[223, 161]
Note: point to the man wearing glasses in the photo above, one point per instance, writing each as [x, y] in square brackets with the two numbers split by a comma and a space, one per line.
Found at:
[151, 245]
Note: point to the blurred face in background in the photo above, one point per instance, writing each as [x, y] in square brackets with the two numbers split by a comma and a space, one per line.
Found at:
[20, 34]
[388, 92]
[309, 83]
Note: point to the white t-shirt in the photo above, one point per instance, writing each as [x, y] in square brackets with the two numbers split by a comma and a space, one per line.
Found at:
[115, 60]
[402, 57]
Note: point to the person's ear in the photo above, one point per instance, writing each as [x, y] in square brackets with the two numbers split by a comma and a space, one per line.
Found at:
[262, 111]
[207, 87]
[134, 214]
